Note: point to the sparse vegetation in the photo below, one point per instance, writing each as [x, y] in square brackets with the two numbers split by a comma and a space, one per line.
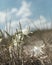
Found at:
[16, 48]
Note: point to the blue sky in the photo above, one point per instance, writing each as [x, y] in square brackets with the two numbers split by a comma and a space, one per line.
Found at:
[25, 11]
[38, 7]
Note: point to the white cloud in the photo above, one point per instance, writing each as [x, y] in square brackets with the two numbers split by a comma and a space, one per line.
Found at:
[24, 10]
[14, 23]
[2, 17]
[23, 13]
[14, 10]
